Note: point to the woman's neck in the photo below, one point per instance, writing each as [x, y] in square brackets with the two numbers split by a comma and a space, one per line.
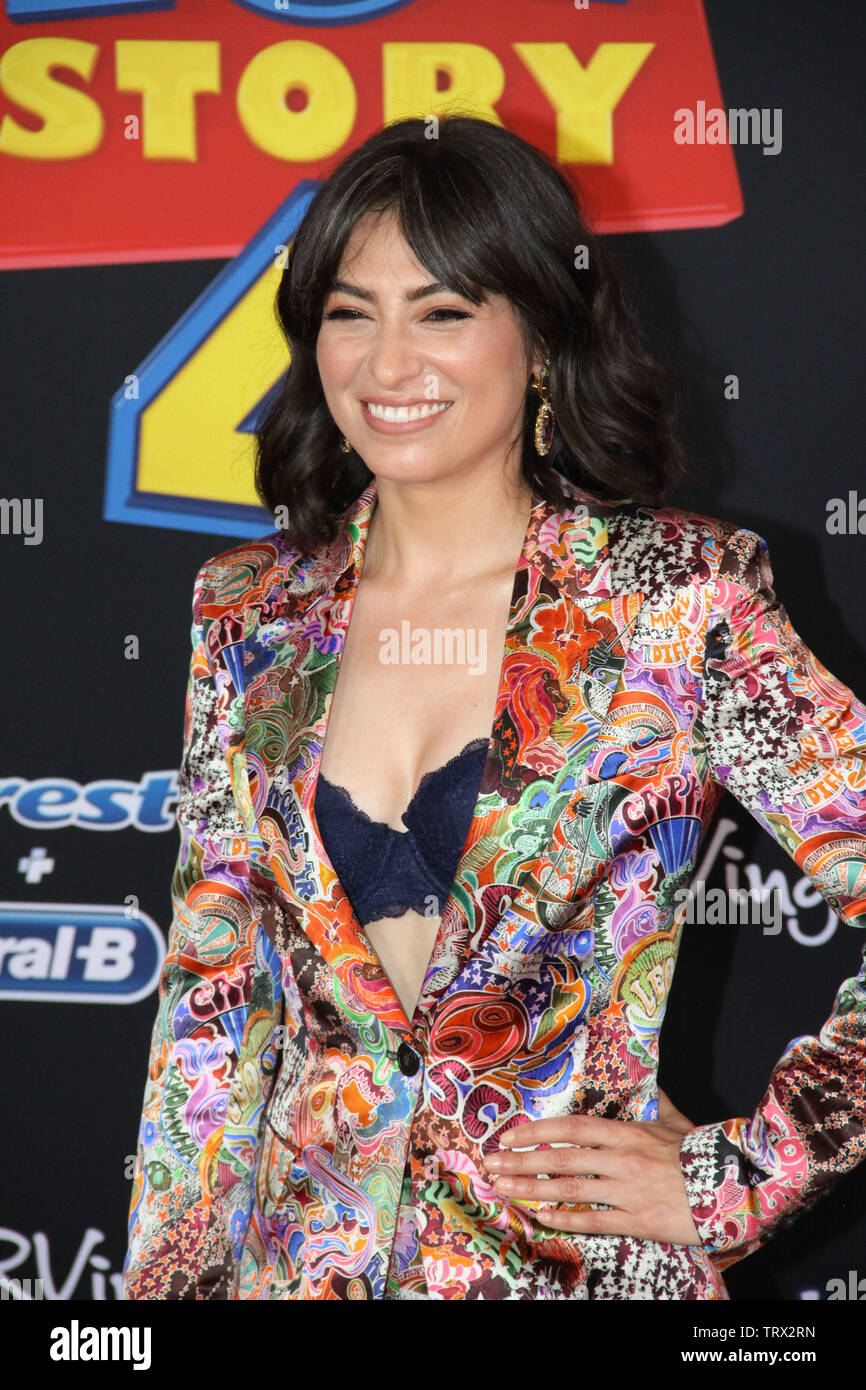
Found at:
[453, 529]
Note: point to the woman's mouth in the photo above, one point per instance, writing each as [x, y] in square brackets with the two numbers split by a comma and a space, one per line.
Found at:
[388, 418]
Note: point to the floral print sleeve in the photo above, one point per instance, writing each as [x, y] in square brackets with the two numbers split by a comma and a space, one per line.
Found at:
[788, 740]
[219, 999]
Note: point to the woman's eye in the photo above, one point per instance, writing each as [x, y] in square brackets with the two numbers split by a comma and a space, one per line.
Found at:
[351, 314]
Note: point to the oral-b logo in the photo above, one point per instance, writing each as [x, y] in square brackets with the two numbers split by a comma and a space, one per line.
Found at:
[78, 953]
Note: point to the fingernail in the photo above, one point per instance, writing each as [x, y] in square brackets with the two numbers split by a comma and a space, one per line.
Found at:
[507, 1184]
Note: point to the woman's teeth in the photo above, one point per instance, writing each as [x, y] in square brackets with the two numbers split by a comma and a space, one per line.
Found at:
[401, 414]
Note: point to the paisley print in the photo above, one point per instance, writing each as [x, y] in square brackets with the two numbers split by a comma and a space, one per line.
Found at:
[301, 1138]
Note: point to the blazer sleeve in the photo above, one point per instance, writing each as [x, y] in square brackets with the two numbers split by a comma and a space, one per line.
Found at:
[788, 740]
[212, 1055]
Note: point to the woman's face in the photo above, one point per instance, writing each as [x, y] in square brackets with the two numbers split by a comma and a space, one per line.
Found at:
[456, 372]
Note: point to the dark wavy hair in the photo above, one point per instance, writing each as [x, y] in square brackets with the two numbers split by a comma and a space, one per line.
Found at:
[484, 212]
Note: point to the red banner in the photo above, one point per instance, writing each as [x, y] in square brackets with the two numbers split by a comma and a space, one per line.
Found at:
[175, 133]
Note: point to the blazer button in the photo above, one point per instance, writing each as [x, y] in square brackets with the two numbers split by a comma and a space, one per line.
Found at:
[407, 1060]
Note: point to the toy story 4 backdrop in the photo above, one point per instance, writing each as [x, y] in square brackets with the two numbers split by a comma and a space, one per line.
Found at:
[155, 160]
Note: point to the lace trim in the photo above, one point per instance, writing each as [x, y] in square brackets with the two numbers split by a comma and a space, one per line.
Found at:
[473, 746]
[397, 909]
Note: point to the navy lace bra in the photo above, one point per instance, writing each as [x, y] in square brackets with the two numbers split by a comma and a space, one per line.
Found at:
[385, 871]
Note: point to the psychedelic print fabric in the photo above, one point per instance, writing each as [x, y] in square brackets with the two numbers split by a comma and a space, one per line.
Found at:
[301, 1138]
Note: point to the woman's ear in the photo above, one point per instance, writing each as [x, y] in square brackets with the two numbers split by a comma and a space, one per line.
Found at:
[538, 359]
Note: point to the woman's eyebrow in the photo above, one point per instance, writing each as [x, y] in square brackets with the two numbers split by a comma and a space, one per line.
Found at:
[420, 291]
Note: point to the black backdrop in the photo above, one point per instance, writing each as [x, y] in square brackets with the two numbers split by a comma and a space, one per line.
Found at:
[774, 297]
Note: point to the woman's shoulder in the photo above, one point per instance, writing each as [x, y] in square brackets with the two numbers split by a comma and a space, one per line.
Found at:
[245, 572]
[662, 548]
[268, 548]
[651, 548]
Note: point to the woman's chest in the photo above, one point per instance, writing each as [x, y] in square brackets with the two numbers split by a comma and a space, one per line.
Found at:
[415, 684]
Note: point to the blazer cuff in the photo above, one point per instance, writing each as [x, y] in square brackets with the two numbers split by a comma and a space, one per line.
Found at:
[719, 1186]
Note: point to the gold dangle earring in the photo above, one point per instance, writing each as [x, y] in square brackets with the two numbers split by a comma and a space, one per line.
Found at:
[346, 446]
[545, 420]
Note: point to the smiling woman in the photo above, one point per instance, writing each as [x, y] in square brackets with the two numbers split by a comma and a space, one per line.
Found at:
[470, 360]
[434, 248]
[427, 913]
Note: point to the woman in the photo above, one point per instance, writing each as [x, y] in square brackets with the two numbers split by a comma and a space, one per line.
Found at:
[430, 911]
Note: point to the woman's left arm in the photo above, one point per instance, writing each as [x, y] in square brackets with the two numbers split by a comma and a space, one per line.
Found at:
[788, 740]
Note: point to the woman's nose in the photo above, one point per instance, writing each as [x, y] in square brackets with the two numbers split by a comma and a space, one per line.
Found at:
[393, 358]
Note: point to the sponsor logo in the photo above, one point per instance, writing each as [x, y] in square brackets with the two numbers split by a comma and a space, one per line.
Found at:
[53, 803]
[18, 1250]
[769, 900]
[78, 953]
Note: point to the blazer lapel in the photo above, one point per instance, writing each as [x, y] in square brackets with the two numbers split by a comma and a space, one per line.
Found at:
[287, 717]
[566, 642]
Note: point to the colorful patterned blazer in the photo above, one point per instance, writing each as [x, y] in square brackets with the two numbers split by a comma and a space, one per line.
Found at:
[301, 1138]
